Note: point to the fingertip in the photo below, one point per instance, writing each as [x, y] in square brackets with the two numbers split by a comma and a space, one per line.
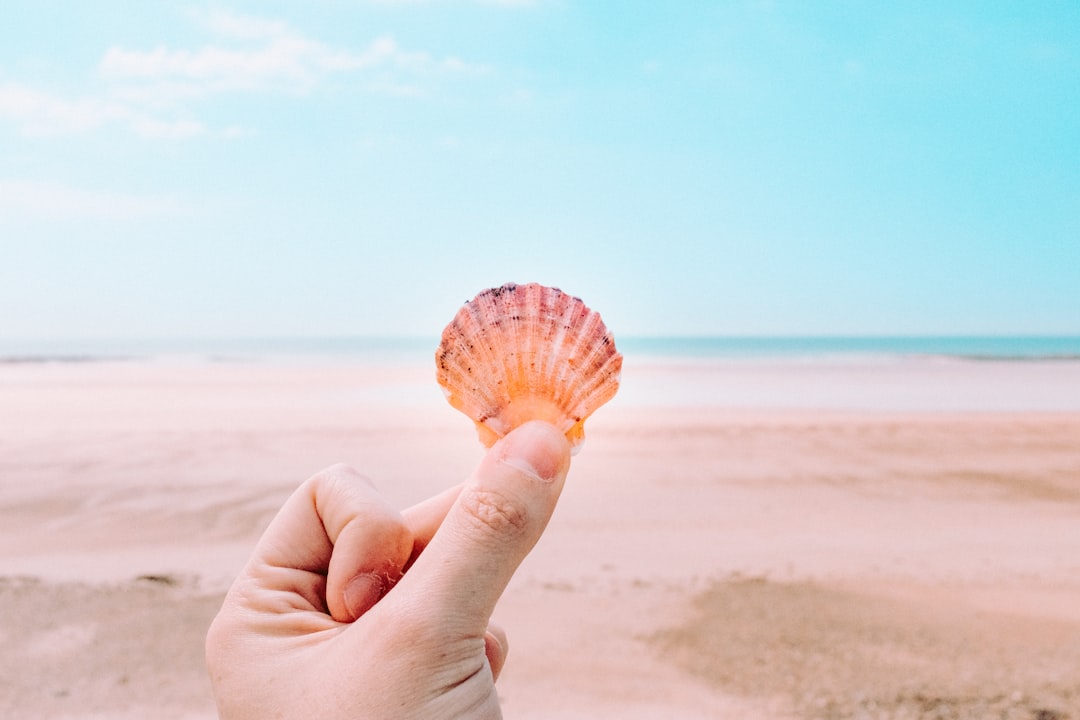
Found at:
[496, 648]
[361, 593]
[368, 539]
[538, 449]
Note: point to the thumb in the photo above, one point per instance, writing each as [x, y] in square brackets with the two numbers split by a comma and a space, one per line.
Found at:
[497, 519]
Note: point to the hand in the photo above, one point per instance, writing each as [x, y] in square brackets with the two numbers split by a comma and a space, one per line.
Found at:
[349, 609]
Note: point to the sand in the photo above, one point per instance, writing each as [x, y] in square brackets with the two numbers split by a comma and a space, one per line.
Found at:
[889, 542]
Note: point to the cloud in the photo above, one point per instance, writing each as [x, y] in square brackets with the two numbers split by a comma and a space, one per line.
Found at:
[286, 60]
[58, 200]
[230, 24]
[497, 3]
[155, 91]
[43, 114]
[212, 69]
[457, 65]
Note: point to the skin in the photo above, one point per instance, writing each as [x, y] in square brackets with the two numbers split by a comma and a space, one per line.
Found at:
[350, 609]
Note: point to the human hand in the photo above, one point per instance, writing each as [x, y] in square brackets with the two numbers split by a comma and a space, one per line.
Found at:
[325, 622]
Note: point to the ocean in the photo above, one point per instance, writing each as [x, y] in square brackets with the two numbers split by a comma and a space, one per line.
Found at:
[897, 374]
[1023, 348]
[1011, 347]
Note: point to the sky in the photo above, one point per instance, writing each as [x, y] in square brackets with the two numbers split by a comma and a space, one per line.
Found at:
[363, 167]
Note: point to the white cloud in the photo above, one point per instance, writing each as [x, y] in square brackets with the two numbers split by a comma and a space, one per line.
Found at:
[149, 127]
[230, 24]
[457, 65]
[158, 97]
[154, 92]
[384, 87]
[42, 114]
[286, 60]
[497, 3]
[57, 200]
[214, 68]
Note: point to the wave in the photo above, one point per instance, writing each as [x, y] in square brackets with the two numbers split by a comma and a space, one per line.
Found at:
[62, 358]
[1006, 349]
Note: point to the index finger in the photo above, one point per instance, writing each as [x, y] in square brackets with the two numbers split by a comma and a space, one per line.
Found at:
[336, 525]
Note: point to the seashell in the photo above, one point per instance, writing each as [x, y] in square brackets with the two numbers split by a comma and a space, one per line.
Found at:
[527, 352]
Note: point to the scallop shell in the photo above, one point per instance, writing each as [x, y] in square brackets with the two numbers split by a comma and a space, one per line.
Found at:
[527, 352]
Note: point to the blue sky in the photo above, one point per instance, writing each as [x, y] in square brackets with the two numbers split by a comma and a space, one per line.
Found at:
[342, 167]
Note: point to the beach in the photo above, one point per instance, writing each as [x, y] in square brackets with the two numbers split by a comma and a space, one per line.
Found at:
[770, 539]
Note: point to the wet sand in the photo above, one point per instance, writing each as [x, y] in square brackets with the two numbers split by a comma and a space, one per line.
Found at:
[870, 559]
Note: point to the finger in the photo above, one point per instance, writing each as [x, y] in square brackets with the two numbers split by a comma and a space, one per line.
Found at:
[337, 525]
[496, 649]
[424, 518]
[497, 518]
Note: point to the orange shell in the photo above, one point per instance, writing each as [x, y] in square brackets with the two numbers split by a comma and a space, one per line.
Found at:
[527, 352]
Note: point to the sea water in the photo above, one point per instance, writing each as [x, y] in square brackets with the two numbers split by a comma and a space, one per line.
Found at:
[421, 349]
[897, 374]
[1012, 347]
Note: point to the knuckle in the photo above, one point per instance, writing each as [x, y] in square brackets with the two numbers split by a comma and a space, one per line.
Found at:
[339, 472]
[494, 512]
[339, 479]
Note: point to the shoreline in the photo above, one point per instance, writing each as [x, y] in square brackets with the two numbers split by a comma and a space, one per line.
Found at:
[644, 349]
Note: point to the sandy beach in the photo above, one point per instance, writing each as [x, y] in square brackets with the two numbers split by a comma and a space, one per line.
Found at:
[735, 540]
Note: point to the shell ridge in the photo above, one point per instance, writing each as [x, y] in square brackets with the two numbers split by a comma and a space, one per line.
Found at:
[512, 337]
[562, 327]
[487, 312]
[447, 360]
[595, 392]
[597, 373]
[549, 338]
[579, 331]
[466, 389]
[540, 339]
[591, 389]
[521, 352]
[470, 362]
[598, 350]
[476, 389]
